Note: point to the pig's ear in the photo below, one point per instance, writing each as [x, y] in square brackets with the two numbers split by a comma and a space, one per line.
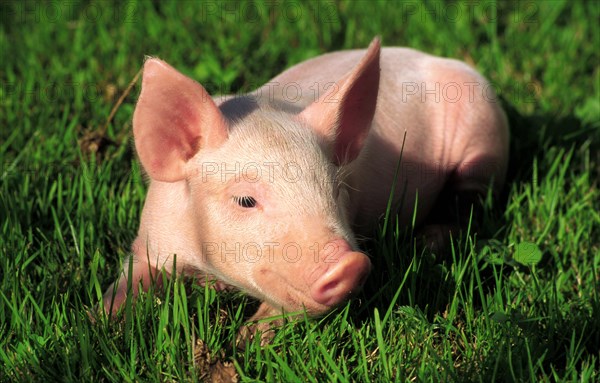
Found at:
[343, 115]
[174, 118]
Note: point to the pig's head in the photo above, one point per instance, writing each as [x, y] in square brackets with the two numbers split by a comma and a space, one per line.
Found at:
[263, 203]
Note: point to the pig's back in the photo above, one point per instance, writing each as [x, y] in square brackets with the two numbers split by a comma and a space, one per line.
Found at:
[315, 75]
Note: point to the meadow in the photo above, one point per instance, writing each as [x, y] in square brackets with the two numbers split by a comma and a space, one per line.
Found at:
[517, 301]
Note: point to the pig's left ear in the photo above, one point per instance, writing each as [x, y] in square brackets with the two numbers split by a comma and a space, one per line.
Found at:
[343, 115]
[173, 119]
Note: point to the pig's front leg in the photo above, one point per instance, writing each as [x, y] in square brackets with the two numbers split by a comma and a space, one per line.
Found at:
[259, 323]
[143, 275]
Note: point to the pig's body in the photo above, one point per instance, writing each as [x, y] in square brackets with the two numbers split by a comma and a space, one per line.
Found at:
[456, 132]
[222, 197]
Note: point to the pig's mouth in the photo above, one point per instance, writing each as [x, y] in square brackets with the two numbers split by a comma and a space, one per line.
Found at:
[334, 285]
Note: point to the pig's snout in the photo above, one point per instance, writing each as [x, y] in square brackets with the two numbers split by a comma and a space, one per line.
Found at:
[346, 275]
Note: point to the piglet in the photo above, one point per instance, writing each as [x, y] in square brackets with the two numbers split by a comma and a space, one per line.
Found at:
[266, 192]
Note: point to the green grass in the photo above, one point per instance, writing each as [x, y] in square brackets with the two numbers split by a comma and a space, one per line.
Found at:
[519, 301]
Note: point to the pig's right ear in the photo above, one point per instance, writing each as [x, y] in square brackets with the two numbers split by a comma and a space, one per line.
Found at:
[343, 115]
[173, 119]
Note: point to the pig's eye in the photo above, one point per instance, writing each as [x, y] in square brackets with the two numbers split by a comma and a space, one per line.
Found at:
[245, 201]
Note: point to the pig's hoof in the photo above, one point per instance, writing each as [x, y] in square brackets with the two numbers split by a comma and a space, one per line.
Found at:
[263, 324]
[265, 330]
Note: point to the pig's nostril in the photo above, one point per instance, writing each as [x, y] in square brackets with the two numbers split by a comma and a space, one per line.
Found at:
[329, 294]
[345, 278]
[330, 286]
